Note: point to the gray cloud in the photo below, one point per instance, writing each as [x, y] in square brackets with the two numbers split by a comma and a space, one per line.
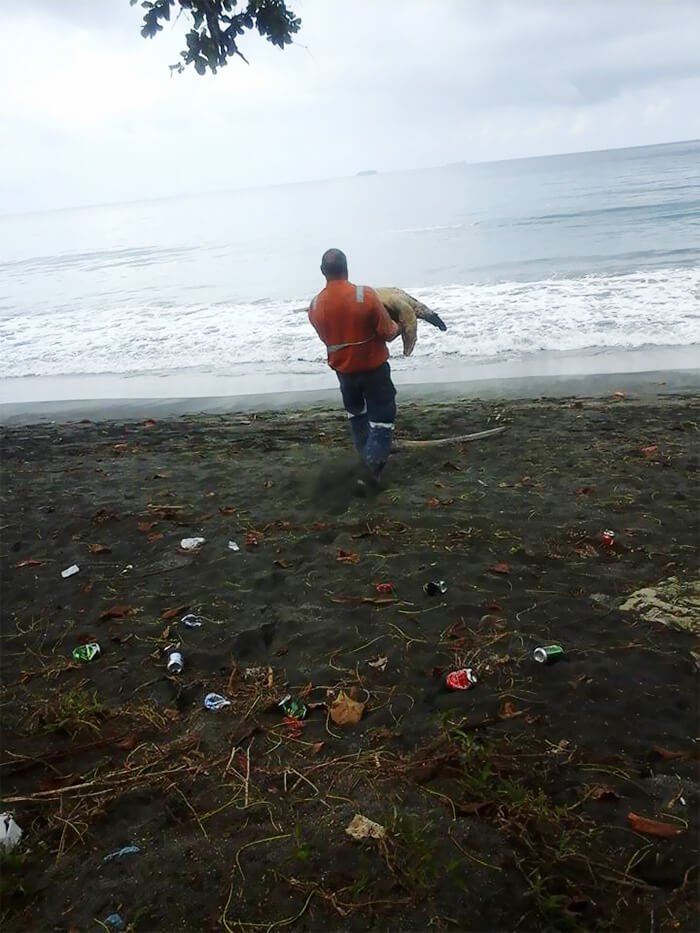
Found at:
[94, 115]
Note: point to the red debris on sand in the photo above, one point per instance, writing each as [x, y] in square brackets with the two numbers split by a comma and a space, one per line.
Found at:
[29, 562]
[501, 568]
[653, 827]
[115, 612]
[387, 587]
[174, 611]
[649, 452]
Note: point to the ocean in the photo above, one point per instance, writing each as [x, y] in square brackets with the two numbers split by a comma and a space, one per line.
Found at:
[528, 259]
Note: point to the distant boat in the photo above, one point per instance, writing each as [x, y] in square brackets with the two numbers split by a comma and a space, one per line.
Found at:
[367, 171]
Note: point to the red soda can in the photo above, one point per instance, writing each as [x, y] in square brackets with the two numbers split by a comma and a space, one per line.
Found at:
[384, 587]
[607, 538]
[461, 680]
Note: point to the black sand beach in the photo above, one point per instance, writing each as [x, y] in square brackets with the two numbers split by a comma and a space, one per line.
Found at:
[514, 805]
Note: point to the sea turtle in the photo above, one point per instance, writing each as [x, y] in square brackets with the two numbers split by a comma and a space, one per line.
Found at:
[407, 311]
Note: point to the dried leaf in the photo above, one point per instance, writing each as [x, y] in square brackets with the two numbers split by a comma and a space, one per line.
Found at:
[584, 491]
[433, 503]
[501, 568]
[649, 451]
[449, 465]
[508, 711]
[154, 536]
[29, 562]
[171, 713]
[653, 827]
[284, 564]
[253, 538]
[602, 792]
[361, 828]
[172, 612]
[120, 448]
[471, 807]
[494, 606]
[102, 516]
[227, 510]
[87, 588]
[345, 711]
[347, 557]
[115, 612]
[99, 549]
[668, 755]
[305, 691]
[379, 663]
[316, 747]
[145, 526]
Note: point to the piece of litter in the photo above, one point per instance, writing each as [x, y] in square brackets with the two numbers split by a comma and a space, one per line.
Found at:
[126, 569]
[120, 853]
[10, 833]
[232, 546]
[114, 922]
[215, 701]
[379, 663]
[70, 571]
[192, 621]
[362, 828]
[191, 544]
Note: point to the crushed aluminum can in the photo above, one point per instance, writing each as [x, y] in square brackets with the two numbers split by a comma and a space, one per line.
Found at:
[192, 621]
[87, 652]
[70, 571]
[384, 587]
[435, 587]
[175, 663]
[461, 680]
[191, 544]
[232, 546]
[215, 701]
[547, 654]
[607, 538]
[292, 707]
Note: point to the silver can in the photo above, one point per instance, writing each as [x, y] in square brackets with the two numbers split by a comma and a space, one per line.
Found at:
[176, 662]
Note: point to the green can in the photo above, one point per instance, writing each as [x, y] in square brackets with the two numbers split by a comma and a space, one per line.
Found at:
[292, 707]
[86, 653]
[547, 654]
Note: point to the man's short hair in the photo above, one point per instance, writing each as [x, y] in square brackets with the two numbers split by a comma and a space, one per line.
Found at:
[334, 264]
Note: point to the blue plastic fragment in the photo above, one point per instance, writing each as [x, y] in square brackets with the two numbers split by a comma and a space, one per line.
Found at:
[127, 850]
[114, 921]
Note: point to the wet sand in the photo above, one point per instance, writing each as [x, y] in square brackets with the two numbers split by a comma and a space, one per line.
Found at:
[504, 806]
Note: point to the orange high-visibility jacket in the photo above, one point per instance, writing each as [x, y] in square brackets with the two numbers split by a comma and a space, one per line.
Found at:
[353, 324]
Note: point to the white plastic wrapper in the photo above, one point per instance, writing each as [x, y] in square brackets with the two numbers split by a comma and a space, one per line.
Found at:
[10, 833]
[191, 544]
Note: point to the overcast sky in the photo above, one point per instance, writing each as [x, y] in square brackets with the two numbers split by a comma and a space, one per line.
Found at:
[89, 112]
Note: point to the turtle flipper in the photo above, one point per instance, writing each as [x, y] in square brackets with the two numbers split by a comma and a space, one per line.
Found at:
[425, 314]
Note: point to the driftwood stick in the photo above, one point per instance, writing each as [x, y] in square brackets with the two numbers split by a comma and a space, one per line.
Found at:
[401, 444]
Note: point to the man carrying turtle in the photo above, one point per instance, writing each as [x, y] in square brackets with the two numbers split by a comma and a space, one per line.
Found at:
[355, 326]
